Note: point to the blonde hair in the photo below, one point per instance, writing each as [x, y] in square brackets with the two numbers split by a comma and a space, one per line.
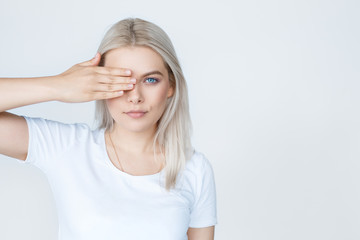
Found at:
[174, 127]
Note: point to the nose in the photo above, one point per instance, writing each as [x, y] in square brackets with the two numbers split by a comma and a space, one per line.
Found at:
[134, 95]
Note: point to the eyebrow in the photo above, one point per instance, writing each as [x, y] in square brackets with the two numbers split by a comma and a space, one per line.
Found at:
[152, 72]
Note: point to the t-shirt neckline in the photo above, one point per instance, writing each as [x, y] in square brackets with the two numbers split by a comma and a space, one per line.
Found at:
[114, 168]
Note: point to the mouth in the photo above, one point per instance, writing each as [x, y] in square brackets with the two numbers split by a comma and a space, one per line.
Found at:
[136, 114]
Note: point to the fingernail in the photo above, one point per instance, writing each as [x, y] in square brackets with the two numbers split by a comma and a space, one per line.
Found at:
[121, 92]
[127, 72]
[133, 80]
[130, 86]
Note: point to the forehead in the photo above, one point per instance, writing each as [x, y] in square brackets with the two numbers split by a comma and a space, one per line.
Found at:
[137, 58]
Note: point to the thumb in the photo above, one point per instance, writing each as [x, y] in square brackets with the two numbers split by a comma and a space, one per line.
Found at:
[92, 62]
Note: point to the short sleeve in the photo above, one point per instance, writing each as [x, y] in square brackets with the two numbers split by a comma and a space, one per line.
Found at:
[48, 140]
[204, 212]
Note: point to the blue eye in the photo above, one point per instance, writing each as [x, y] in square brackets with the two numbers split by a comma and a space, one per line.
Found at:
[151, 80]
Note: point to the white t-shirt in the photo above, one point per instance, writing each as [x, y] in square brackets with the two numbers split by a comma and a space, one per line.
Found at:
[95, 200]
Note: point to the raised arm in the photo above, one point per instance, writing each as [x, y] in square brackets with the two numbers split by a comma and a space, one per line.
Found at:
[81, 83]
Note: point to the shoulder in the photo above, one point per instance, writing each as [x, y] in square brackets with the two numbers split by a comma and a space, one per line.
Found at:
[198, 163]
[43, 126]
[53, 123]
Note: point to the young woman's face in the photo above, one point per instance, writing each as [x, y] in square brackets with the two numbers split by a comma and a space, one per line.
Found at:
[140, 108]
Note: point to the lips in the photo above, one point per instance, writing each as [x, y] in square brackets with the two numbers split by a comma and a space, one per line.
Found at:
[136, 114]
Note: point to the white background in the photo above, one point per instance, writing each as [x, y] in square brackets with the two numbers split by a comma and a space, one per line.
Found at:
[274, 92]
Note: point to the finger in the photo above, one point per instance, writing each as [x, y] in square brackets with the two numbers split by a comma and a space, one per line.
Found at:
[96, 60]
[92, 62]
[107, 95]
[113, 71]
[113, 87]
[109, 79]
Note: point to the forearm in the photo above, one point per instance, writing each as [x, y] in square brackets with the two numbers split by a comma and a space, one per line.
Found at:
[18, 92]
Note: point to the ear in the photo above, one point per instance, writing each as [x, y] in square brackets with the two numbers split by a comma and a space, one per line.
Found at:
[170, 92]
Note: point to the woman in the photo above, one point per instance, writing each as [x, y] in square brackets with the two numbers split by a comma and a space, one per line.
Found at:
[134, 177]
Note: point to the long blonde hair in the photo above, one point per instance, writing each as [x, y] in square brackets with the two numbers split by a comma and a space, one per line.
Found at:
[174, 127]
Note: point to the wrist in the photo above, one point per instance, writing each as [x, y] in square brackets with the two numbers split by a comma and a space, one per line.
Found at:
[51, 86]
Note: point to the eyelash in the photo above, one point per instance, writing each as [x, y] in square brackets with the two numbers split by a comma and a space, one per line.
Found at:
[156, 80]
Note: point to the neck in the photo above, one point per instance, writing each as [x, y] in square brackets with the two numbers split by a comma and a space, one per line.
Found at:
[133, 142]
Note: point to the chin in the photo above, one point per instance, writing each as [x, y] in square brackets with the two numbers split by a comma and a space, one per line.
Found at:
[138, 128]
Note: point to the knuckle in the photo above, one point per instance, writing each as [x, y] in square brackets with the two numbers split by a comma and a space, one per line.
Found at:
[98, 78]
[112, 71]
[107, 70]
[111, 79]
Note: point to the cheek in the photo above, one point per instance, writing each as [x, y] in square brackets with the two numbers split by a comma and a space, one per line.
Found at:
[160, 96]
[113, 104]
[109, 103]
